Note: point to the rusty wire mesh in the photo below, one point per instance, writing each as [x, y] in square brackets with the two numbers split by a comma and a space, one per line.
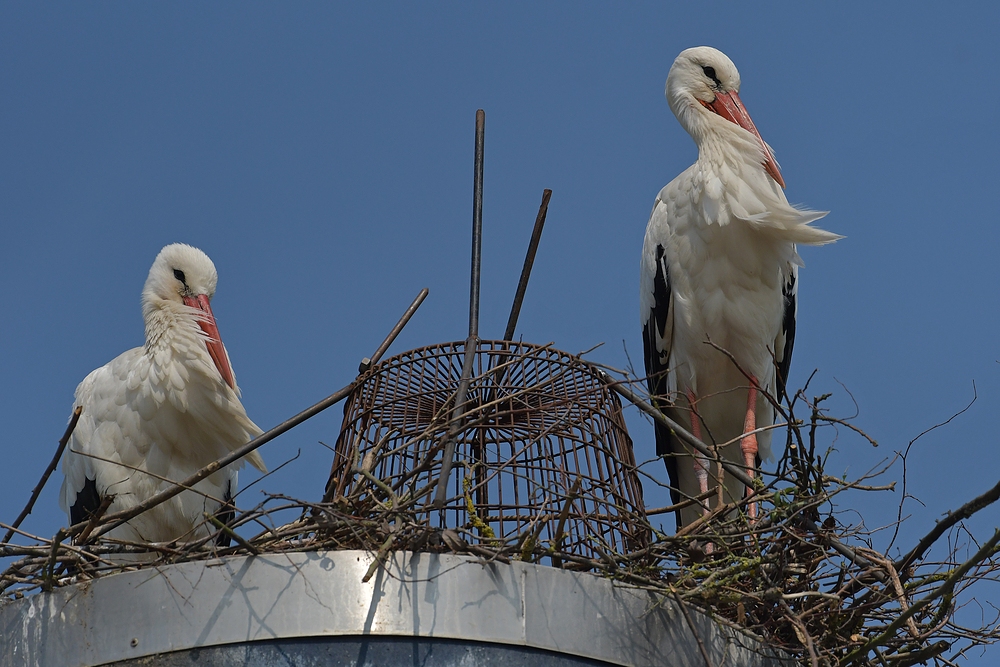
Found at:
[542, 455]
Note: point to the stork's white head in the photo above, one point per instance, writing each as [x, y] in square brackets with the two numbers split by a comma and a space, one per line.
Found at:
[703, 92]
[182, 280]
[180, 270]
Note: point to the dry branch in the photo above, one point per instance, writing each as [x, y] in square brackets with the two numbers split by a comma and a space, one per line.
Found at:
[77, 411]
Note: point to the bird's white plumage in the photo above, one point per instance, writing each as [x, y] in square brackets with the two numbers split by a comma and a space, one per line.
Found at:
[723, 236]
[161, 412]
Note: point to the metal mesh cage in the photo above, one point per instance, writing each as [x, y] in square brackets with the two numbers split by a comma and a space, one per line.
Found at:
[541, 450]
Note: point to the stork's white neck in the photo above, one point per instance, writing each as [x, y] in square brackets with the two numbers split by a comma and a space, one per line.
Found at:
[171, 326]
[720, 140]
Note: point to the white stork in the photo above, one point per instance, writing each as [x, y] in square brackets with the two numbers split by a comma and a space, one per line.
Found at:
[158, 413]
[719, 264]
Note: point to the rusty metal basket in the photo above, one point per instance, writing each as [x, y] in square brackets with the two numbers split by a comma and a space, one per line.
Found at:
[541, 448]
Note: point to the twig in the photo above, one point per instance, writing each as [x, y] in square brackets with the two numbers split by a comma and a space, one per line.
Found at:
[379, 558]
[694, 631]
[95, 518]
[50, 566]
[48, 471]
[918, 657]
[148, 473]
[214, 520]
[988, 549]
[951, 518]
[906, 453]
[563, 515]
[653, 511]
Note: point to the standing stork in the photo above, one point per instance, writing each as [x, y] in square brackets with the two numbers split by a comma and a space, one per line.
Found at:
[719, 268]
[157, 414]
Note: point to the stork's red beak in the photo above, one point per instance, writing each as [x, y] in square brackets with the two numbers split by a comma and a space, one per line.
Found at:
[214, 343]
[729, 106]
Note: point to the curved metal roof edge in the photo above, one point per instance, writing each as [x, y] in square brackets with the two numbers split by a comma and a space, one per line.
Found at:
[314, 594]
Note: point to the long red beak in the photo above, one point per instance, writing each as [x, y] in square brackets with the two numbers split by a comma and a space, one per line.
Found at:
[729, 106]
[214, 343]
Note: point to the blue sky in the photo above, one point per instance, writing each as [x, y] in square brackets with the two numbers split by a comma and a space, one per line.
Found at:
[321, 155]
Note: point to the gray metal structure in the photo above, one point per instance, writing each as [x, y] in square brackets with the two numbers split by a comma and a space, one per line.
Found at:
[312, 608]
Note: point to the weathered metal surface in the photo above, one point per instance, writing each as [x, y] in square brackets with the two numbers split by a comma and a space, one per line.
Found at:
[126, 616]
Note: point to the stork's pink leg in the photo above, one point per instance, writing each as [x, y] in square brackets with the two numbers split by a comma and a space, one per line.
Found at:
[700, 462]
[748, 443]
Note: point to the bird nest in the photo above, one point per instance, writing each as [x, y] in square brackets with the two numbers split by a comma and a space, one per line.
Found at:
[541, 470]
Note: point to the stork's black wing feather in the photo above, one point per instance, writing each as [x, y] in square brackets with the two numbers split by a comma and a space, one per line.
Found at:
[88, 500]
[656, 335]
[786, 340]
[226, 514]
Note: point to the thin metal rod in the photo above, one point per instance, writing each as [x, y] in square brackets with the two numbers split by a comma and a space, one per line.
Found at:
[419, 299]
[367, 363]
[477, 224]
[45, 476]
[529, 260]
[112, 521]
[472, 343]
[522, 286]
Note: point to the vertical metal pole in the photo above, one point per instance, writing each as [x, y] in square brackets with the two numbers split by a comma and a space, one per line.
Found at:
[477, 225]
[472, 342]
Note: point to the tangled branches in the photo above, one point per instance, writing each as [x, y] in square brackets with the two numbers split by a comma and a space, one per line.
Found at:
[544, 473]
[811, 583]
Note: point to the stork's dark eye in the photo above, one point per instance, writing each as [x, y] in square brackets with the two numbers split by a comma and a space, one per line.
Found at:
[179, 275]
[710, 73]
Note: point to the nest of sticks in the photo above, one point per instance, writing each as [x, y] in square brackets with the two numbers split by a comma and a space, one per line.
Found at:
[805, 576]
